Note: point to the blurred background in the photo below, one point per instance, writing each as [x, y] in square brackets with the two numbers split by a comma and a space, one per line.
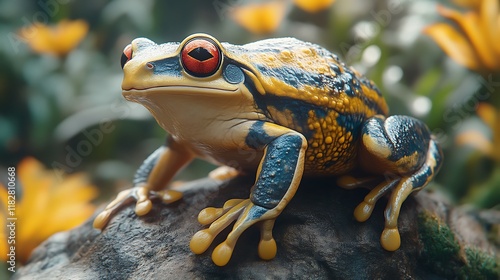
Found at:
[75, 142]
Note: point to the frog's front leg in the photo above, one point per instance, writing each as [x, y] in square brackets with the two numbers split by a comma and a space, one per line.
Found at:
[151, 177]
[278, 176]
[401, 149]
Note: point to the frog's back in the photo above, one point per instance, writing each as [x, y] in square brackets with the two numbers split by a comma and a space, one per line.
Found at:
[305, 87]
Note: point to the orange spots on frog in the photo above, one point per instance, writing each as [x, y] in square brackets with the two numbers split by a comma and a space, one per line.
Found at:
[286, 56]
[307, 51]
[331, 145]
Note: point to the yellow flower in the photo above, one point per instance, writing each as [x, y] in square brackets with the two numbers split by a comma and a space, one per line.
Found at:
[58, 40]
[265, 17]
[45, 203]
[260, 18]
[313, 6]
[474, 4]
[475, 42]
[477, 140]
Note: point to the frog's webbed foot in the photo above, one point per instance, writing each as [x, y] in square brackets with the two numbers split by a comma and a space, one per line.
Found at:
[150, 178]
[142, 195]
[278, 177]
[390, 239]
[364, 210]
[245, 213]
[402, 150]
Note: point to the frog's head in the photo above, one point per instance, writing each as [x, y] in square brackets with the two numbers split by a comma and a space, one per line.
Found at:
[194, 79]
[197, 65]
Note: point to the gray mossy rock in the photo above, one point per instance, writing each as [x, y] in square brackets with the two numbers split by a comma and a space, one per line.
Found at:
[317, 238]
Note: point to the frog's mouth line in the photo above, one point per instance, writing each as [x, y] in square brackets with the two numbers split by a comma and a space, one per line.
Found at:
[191, 90]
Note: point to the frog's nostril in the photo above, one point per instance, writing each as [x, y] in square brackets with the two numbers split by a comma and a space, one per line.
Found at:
[126, 55]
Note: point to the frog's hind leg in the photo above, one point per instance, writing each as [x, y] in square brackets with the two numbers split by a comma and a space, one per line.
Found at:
[402, 150]
[390, 238]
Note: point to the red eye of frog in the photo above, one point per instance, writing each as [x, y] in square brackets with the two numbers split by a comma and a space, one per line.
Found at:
[200, 57]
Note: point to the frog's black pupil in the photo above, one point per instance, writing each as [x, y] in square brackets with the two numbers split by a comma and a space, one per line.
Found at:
[123, 59]
[200, 54]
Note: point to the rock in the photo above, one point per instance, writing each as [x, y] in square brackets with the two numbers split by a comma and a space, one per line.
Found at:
[316, 234]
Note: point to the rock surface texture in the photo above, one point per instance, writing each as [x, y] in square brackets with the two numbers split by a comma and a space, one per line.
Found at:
[317, 238]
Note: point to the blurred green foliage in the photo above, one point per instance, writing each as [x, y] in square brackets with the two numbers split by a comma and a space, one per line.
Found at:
[54, 107]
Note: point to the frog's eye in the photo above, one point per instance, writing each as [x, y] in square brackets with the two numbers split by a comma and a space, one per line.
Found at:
[201, 57]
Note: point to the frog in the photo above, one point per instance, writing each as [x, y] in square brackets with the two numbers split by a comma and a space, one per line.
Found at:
[281, 109]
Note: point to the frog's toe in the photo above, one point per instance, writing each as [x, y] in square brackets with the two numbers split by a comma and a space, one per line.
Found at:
[168, 196]
[102, 219]
[222, 253]
[123, 198]
[210, 214]
[223, 173]
[267, 244]
[143, 204]
[390, 239]
[201, 241]
[364, 210]
[267, 249]
[350, 182]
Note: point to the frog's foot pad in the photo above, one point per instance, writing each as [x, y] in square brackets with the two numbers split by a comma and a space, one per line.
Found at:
[142, 195]
[245, 213]
[390, 239]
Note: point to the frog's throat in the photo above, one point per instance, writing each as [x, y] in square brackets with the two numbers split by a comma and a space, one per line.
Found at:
[168, 104]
